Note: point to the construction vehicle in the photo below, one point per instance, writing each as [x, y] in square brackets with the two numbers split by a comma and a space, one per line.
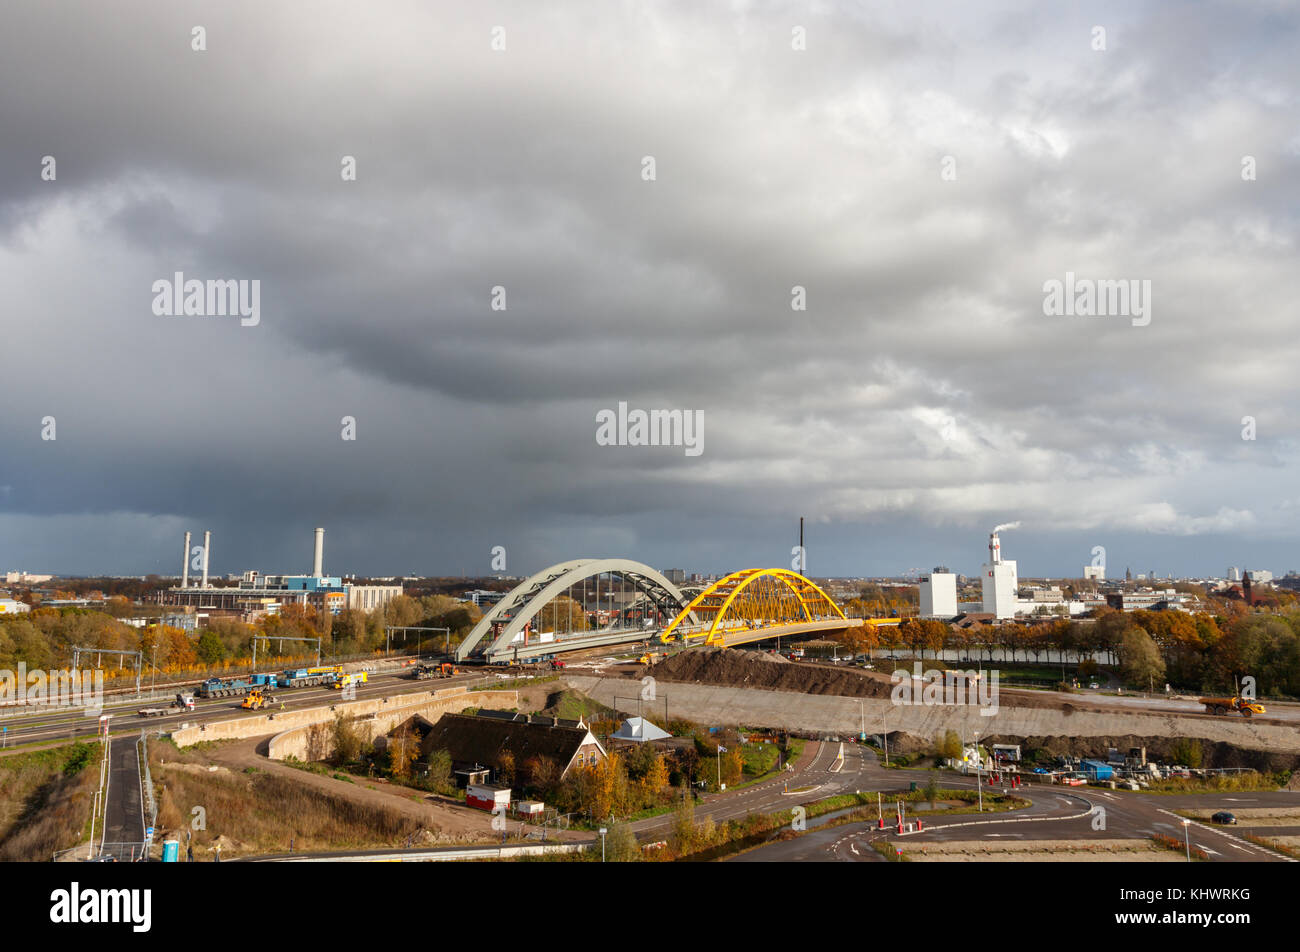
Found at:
[350, 680]
[256, 700]
[1223, 705]
[650, 657]
[183, 702]
[423, 672]
[310, 677]
[224, 687]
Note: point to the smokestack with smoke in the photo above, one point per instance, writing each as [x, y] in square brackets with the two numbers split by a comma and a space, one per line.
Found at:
[185, 563]
[995, 545]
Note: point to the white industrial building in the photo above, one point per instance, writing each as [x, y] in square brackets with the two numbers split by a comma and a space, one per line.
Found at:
[999, 583]
[1096, 572]
[939, 595]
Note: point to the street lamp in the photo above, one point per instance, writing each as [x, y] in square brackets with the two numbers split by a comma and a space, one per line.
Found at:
[1186, 843]
[979, 761]
[603, 831]
[721, 750]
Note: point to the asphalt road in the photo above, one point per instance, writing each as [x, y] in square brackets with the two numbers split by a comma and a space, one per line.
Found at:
[123, 803]
[816, 776]
[1056, 814]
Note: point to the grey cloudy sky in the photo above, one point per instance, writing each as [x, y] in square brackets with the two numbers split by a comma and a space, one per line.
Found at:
[922, 397]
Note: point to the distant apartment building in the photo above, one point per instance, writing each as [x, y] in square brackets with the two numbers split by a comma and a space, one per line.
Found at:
[938, 592]
[366, 598]
[482, 597]
[25, 578]
[1149, 600]
[676, 576]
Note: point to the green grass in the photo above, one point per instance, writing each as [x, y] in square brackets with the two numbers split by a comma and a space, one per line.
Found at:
[572, 705]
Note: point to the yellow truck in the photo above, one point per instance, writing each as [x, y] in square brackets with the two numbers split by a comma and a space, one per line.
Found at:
[1223, 705]
[356, 677]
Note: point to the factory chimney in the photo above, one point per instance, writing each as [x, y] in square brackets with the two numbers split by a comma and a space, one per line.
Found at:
[207, 549]
[995, 549]
[185, 563]
[318, 559]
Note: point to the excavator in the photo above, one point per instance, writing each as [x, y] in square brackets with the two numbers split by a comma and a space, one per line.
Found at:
[422, 672]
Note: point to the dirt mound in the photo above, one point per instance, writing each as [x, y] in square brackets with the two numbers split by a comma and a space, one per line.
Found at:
[758, 669]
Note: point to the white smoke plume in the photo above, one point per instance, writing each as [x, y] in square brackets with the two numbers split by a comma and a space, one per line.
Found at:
[1007, 525]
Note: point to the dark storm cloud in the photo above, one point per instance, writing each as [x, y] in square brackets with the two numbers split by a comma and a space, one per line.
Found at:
[922, 393]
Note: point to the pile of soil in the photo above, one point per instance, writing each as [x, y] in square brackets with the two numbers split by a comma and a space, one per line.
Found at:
[758, 669]
[733, 667]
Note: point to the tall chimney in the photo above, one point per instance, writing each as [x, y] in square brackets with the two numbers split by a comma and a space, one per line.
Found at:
[995, 549]
[207, 549]
[185, 563]
[318, 559]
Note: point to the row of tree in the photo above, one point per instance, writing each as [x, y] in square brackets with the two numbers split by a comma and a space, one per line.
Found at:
[44, 637]
[1200, 651]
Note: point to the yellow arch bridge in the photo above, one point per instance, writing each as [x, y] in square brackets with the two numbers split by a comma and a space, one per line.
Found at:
[756, 604]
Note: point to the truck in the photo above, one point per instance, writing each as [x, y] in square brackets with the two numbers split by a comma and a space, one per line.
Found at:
[224, 687]
[423, 672]
[183, 702]
[356, 677]
[1223, 705]
[309, 677]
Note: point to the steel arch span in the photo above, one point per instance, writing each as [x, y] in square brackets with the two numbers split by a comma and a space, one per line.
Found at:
[509, 616]
[752, 599]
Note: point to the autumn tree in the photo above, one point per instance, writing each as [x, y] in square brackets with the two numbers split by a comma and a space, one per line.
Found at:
[1139, 658]
[505, 771]
[620, 844]
[403, 748]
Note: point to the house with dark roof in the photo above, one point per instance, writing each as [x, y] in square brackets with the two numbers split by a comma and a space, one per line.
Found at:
[477, 741]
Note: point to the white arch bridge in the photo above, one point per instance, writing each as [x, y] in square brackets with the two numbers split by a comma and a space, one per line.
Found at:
[632, 601]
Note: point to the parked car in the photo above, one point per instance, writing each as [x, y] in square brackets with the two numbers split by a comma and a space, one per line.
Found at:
[1092, 685]
[1224, 817]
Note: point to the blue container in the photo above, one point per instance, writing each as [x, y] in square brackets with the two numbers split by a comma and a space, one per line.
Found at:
[1096, 770]
[171, 851]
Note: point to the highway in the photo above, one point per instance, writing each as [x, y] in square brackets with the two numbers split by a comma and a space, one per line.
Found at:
[61, 725]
